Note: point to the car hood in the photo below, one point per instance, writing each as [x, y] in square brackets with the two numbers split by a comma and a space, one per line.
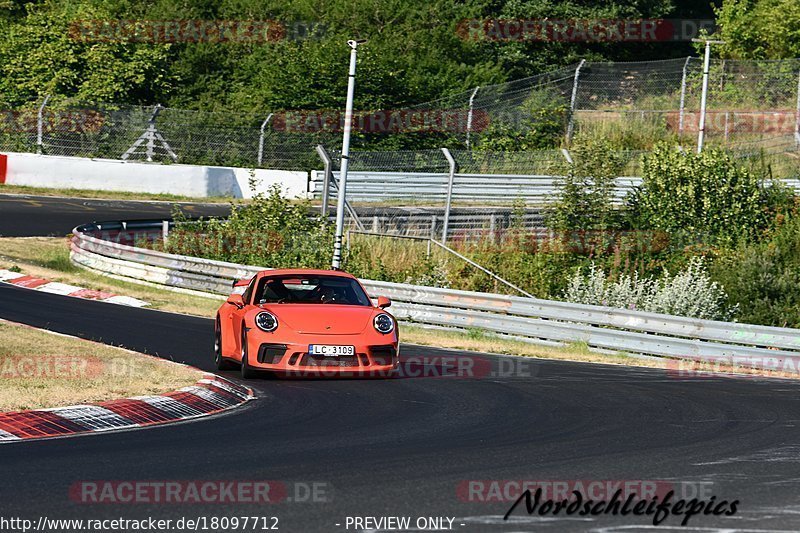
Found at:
[327, 319]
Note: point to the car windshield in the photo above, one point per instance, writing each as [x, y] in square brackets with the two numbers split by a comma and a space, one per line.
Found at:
[311, 289]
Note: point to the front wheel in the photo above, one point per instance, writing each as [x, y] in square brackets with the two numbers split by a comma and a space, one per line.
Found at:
[221, 362]
[247, 371]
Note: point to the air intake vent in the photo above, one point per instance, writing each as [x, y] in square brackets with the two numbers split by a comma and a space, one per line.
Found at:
[271, 353]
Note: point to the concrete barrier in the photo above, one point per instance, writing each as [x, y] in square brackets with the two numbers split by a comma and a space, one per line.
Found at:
[124, 176]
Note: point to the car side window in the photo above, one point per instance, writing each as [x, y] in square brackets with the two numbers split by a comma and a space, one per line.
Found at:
[249, 291]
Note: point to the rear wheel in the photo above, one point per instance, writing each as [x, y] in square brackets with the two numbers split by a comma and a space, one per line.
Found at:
[247, 371]
[220, 362]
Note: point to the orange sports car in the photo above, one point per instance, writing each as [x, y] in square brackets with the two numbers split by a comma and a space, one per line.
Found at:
[305, 322]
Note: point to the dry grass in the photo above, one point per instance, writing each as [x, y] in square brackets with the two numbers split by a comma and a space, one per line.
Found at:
[478, 341]
[404, 255]
[41, 369]
[123, 195]
[48, 258]
[117, 195]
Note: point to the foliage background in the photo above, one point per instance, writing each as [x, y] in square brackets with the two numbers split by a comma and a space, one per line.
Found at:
[414, 52]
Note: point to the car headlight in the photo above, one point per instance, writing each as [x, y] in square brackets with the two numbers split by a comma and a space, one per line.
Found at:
[383, 323]
[266, 321]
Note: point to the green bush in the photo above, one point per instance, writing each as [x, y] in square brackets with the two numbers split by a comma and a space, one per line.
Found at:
[708, 194]
[690, 293]
[587, 189]
[538, 124]
[764, 277]
[270, 231]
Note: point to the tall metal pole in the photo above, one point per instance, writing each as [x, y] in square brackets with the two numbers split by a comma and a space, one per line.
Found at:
[261, 139]
[40, 126]
[326, 180]
[704, 99]
[469, 115]
[573, 101]
[448, 201]
[348, 126]
[797, 115]
[683, 96]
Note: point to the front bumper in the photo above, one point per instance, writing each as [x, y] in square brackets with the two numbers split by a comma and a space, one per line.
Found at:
[293, 359]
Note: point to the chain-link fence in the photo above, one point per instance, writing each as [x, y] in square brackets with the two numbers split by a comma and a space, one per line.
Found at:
[514, 127]
[155, 133]
[463, 195]
[747, 100]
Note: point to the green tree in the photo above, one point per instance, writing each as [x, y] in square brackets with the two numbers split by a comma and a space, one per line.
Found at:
[759, 29]
[586, 191]
[41, 54]
[415, 52]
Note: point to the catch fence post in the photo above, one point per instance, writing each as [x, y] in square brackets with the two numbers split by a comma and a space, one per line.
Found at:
[446, 222]
[40, 126]
[683, 96]
[261, 139]
[573, 101]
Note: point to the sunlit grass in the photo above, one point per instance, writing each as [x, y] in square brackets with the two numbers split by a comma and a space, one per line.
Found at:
[92, 193]
[40, 369]
[48, 258]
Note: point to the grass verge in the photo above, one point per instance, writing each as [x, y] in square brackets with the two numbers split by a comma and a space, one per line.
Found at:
[40, 369]
[479, 341]
[48, 258]
[116, 195]
[124, 195]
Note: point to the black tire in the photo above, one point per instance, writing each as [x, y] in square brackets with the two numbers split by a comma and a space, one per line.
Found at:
[246, 370]
[221, 362]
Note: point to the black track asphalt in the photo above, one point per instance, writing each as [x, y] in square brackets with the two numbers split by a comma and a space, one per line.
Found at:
[404, 446]
[43, 216]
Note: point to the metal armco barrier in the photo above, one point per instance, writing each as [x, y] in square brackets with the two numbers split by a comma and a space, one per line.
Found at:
[530, 318]
[370, 186]
[373, 186]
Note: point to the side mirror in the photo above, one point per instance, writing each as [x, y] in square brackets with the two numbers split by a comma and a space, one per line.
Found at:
[236, 299]
[384, 302]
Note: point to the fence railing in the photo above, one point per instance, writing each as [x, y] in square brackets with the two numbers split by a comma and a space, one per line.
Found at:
[432, 188]
[101, 248]
[748, 102]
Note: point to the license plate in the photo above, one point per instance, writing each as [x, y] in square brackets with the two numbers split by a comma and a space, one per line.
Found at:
[329, 350]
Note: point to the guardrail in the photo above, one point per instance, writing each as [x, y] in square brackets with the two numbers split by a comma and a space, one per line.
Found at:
[371, 186]
[463, 223]
[536, 190]
[533, 319]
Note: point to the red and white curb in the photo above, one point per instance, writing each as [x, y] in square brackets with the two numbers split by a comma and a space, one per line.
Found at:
[39, 284]
[212, 394]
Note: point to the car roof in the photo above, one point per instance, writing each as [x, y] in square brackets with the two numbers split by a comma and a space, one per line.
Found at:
[304, 271]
